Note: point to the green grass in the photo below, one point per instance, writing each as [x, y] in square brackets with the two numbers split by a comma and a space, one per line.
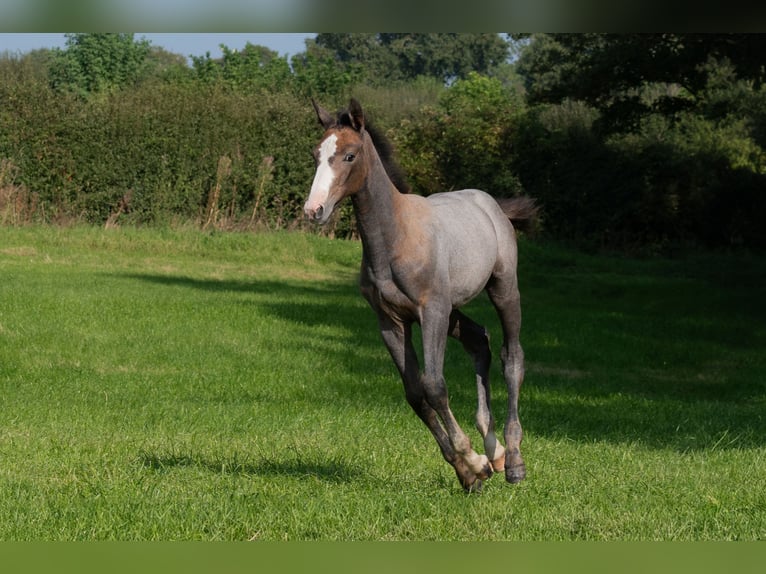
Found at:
[174, 385]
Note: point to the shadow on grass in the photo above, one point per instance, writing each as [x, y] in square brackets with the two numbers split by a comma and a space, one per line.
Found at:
[665, 362]
[337, 305]
[325, 303]
[668, 353]
[330, 471]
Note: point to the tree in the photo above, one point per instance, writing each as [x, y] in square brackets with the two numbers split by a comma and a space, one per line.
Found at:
[101, 62]
[674, 151]
[388, 57]
[626, 76]
[253, 67]
[317, 72]
[167, 65]
[446, 56]
[465, 140]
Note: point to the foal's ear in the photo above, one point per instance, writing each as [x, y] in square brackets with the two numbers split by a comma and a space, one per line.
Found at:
[356, 114]
[325, 119]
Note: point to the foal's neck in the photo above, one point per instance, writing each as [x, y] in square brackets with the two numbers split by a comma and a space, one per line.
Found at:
[376, 217]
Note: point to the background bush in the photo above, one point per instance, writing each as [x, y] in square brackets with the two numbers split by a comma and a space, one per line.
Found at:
[623, 148]
[158, 147]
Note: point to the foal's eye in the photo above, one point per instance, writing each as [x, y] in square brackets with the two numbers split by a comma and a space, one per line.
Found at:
[349, 157]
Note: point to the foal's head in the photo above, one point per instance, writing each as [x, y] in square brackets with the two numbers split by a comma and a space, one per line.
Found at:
[340, 169]
[341, 160]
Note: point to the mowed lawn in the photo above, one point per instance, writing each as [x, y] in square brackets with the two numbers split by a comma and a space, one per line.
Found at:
[179, 385]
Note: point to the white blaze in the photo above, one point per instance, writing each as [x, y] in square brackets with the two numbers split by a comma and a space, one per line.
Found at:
[320, 188]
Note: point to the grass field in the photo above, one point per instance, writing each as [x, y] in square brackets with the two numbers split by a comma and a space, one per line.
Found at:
[174, 385]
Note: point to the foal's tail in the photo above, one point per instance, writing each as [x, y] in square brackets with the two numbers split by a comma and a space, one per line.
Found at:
[523, 211]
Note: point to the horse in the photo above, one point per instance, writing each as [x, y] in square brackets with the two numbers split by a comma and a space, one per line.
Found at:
[423, 258]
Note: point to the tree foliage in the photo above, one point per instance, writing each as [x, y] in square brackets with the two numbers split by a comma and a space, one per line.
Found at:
[673, 150]
[464, 141]
[626, 76]
[251, 69]
[101, 62]
[387, 57]
[318, 72]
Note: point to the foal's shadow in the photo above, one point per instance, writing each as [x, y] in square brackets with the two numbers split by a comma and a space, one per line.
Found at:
[334, 471]
[327, 303]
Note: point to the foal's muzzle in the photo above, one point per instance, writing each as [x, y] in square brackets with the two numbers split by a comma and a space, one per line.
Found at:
[314, 214]
[319, 214]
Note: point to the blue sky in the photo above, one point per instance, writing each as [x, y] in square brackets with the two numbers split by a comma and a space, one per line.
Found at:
[186, 44]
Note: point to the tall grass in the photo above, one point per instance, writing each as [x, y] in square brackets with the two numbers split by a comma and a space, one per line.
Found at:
[170, 384]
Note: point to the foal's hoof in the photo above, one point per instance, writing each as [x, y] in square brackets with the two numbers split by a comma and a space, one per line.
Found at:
[473, 488]
[486, 468]
[486, 472]
[516, 473]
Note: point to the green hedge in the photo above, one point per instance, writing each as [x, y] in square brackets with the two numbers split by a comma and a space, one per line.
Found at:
[160, 151]
[176, 147]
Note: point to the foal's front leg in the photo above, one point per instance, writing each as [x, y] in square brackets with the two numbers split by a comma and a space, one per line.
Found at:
[398, 339]
[435, 328]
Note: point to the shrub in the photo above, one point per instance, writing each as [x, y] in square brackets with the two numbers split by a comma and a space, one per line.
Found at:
[464, 141]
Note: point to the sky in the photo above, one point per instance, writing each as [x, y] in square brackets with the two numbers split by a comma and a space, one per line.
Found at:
[186, 44]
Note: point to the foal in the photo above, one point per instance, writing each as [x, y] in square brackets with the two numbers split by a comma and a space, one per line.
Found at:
[423, 258]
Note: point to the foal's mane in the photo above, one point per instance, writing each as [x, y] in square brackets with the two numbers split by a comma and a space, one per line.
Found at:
[384, 148]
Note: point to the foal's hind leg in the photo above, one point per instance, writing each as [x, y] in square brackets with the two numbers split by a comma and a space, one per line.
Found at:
[475, 341]
[504, 293]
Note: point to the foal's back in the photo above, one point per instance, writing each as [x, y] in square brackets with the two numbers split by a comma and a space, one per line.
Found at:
[473, 239]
